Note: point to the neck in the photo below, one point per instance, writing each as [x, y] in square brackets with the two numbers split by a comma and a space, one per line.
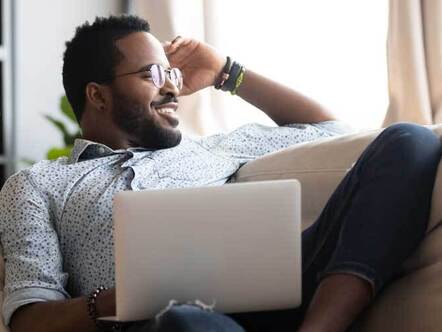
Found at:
[103, 131]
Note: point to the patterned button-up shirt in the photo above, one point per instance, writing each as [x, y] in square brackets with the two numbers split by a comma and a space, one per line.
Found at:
[56, 217]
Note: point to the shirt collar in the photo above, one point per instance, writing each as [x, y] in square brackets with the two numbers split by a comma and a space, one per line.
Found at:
[84, 150]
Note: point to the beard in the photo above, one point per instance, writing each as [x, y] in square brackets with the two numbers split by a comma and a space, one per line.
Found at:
[133, 119]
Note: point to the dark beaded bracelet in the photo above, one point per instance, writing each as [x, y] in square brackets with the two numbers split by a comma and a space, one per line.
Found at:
[224, 76]
[92, 305]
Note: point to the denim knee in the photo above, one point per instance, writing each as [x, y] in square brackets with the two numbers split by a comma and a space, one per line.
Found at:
[395, 178]
[409, 148]
[191, 318]
[412, 139]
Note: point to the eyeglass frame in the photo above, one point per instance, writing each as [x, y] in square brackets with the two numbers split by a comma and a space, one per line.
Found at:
[147, 69]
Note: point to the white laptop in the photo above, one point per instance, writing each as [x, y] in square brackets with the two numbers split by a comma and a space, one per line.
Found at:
[237, 246]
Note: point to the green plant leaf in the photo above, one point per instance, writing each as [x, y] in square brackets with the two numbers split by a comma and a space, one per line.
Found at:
[55, 153]
[66, 109]
[57, 123]
[67, 136]
[69, 140]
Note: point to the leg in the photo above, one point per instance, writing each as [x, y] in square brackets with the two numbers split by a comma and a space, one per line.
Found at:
[374, 223]
[186, 318]
[371, 223]
[337, 302]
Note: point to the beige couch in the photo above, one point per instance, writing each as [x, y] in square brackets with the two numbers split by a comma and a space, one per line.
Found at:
[412, 303]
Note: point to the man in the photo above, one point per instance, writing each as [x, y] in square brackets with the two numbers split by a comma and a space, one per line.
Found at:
[56, 219]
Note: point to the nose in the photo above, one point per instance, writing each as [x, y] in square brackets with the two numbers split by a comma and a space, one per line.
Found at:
[169, 88]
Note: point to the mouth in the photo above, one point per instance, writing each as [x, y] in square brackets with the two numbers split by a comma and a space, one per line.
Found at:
[168, 111]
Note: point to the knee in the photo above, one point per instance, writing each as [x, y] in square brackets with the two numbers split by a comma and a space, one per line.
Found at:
[191, 318]
[411, 142]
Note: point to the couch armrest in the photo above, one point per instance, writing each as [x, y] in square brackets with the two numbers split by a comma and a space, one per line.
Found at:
[319, 166]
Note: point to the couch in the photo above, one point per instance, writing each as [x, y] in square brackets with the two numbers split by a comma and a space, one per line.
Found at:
[413, 302]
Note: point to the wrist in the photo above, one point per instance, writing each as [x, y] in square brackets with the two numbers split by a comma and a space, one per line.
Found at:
[105, 303]
[231, 77]
[220, 63]
[223, 74]
[100, 303]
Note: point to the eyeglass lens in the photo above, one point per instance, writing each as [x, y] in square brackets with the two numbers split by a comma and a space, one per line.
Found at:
[159, 76]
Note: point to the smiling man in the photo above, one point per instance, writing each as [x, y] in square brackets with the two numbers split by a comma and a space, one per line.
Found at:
[123, 84]
[132, 112]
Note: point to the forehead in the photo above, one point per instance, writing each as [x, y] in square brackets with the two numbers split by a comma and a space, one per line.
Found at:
[140, 49]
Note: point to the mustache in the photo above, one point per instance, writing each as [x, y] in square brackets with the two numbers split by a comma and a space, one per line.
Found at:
[168, 98]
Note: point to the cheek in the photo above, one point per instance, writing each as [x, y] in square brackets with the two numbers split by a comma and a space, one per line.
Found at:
[140, 92]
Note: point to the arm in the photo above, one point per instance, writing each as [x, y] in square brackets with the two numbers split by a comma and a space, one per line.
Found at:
[34, 285]
[282, 104]
[201, 66]
[66, 315]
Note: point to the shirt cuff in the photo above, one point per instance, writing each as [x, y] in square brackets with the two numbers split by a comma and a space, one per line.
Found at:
[24, 296]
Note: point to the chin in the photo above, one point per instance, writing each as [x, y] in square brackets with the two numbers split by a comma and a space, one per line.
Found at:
[173, 140]
[161, 138]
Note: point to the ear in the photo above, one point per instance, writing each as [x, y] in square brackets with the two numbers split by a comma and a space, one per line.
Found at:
[97, 96]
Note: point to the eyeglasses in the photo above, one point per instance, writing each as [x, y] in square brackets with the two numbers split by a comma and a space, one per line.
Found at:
[158, 75]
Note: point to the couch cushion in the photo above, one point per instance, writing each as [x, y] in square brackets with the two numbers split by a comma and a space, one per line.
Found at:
[319, 166]
[413, 302]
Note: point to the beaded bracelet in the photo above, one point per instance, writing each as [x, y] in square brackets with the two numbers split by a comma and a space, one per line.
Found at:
[92, 305]
[231, 77]
[224, 74]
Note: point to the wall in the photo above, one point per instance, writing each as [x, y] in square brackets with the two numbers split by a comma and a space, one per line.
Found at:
[42, 27]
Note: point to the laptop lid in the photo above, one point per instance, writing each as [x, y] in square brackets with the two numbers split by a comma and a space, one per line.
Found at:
[237, 246]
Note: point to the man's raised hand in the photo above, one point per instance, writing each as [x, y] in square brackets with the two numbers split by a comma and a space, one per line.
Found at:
[200, 63]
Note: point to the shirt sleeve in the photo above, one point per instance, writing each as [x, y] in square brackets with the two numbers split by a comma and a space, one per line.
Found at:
[254, 140]
[33, 262]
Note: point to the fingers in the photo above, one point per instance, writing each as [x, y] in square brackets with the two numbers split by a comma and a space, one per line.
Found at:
[171, 47]
[176, 44]
[176, 39]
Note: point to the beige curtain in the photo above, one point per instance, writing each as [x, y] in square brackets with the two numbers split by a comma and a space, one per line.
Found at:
[415, 61]
[203, 112]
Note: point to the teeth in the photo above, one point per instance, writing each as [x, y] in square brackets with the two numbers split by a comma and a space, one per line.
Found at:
[165, 110]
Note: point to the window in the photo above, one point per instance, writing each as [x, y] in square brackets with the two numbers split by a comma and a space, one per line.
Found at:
[332, 51]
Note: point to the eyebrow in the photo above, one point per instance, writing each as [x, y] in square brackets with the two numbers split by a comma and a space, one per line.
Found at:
[144, 68]
[147, 67]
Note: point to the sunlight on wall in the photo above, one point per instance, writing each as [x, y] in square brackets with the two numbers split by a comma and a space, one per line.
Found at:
[332, 51]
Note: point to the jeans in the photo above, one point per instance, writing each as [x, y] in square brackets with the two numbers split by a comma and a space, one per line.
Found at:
[373, 221]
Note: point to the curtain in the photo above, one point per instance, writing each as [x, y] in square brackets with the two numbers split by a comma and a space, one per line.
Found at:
[414, 48]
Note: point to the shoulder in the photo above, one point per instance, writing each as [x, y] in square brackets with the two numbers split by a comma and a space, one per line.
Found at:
[36, 177]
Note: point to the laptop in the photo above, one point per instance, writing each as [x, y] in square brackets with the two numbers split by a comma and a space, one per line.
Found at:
[237, 247]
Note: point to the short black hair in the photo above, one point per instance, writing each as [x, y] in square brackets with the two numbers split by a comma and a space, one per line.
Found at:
[91, 55]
